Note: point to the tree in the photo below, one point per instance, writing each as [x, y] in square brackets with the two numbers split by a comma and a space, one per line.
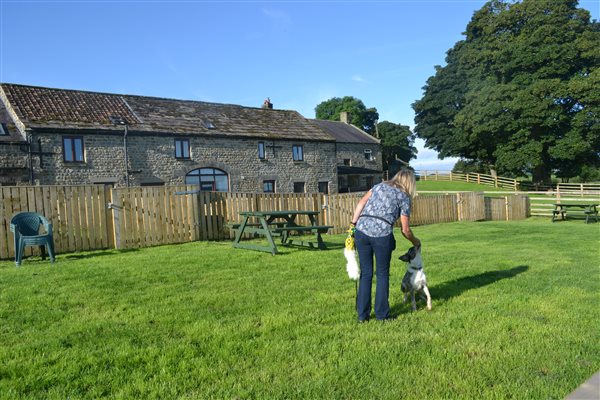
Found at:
[397, 145]
[470, 167]
[360, 116]
[396, 140]
[520, 92]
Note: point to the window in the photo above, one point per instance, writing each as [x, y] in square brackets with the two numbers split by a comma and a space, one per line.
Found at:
[208, 125]
[209, 179]
[298, 187]
[324, 187]
[261, 151]
[370, 181]
[73, 149]
[3, 130]
[182, 148]
[347, 162]
[298, 153]
[368, 155]
[269, 186]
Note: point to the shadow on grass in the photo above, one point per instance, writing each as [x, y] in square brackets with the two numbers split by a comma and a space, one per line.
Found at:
[456, 287]
[100, 253]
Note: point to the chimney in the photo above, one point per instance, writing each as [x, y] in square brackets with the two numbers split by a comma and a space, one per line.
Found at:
[344, 116]
[267, 104]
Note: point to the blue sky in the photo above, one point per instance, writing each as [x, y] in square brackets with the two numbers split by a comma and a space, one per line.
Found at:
[298, 53]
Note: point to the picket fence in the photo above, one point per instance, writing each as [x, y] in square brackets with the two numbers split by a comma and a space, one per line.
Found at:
[95, 217]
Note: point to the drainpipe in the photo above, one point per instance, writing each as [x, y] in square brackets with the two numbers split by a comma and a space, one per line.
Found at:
[116, 121]
[30, 157]
[126, 157]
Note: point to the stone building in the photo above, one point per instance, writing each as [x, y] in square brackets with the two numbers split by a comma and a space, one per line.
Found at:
[63, 137]
[358, 155]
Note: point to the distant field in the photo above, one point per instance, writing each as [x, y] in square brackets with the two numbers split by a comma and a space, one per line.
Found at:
[454, 186]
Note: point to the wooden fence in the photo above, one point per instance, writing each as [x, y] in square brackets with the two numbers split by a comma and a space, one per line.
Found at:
[93, 217]
[542, 203]
[77, 213]
[483, 179]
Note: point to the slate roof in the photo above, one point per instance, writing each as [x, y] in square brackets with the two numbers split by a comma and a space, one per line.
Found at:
[57, 109]
[9, 132]
[345, 133]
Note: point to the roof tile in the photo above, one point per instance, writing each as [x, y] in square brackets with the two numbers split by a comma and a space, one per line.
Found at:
[39, 107]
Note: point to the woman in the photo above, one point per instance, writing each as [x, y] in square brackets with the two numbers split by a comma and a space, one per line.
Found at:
[374, 218]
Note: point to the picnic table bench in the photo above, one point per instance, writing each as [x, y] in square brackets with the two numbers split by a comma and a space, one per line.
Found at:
[589, 210]
[280, 224]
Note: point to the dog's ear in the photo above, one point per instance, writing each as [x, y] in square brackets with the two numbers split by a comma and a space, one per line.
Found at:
[409, 255]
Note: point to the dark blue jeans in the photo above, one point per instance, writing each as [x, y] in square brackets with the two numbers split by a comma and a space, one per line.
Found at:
[381, 248]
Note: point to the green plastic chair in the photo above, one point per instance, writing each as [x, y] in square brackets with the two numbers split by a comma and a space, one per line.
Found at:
[26, 229]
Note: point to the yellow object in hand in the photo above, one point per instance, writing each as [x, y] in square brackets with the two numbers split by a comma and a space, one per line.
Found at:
[350, 238]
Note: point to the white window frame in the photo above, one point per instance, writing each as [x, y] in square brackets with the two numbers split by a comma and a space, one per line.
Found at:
[298, 152]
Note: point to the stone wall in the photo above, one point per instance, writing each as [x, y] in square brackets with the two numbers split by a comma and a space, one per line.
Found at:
[14, 169]
[152, 160]
[355, 152]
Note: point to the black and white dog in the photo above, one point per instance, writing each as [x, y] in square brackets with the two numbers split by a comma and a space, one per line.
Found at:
[414, 279]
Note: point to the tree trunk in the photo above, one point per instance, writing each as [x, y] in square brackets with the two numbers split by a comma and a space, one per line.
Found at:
[541, 175]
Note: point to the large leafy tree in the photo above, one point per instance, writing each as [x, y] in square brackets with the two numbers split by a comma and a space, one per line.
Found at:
[360, 116]
[397, 145]
[520, 92]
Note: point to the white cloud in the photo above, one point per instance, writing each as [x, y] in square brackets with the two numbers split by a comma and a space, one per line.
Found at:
[427, 159]
[358, 78]
[280, 19]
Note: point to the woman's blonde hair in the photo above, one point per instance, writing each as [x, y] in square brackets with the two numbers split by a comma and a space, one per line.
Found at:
[405, 181]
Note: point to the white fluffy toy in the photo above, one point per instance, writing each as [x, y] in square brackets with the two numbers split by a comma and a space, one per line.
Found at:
[350, 254]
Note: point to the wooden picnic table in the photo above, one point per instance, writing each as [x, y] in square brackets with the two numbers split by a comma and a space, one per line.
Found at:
[586, 209]
[272, 224]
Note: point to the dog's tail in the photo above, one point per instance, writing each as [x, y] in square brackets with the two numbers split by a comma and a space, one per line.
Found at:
[351, 264]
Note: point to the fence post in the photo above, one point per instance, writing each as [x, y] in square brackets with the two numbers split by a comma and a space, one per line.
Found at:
[116, 208]
[257, 202]
[496, 181]
[324, 209]
[459, 207]
[108, 214]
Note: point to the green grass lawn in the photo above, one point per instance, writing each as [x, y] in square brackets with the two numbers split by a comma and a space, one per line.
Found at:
[515, 315]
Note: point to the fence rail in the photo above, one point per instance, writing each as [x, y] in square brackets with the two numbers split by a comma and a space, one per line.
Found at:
[93, 217]
[483, 179]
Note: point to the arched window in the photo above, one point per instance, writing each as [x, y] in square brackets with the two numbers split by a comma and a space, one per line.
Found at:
[209, 179]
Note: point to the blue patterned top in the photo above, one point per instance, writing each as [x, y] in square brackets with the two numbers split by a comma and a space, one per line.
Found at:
[386, 202]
